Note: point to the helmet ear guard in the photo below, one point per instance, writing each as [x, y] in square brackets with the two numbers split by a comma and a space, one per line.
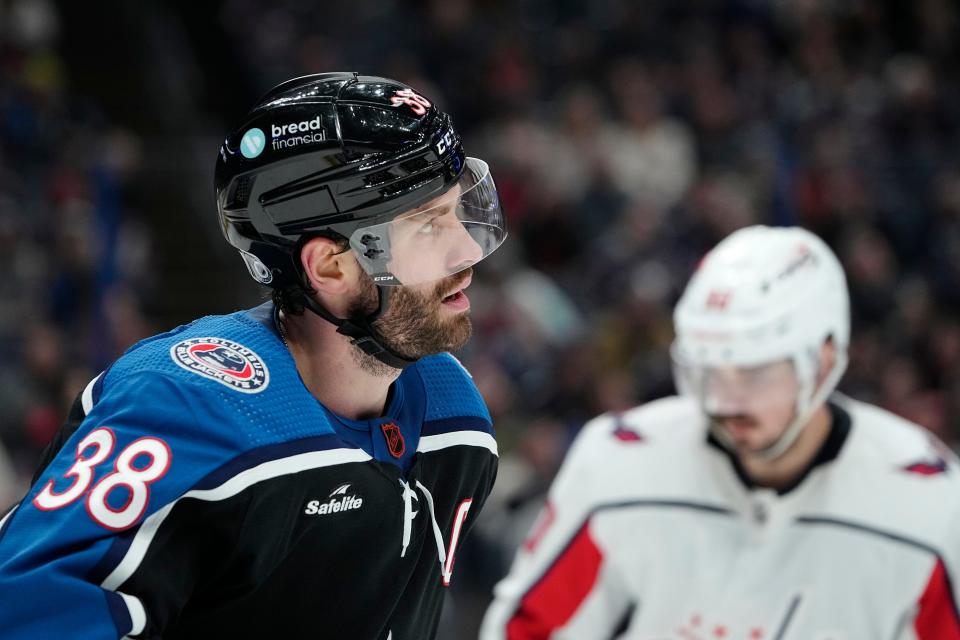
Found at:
[765, 294]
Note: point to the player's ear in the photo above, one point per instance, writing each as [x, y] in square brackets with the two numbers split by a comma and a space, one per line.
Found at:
[327, 267]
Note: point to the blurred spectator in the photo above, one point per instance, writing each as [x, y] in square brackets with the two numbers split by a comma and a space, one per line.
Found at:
[61, 173]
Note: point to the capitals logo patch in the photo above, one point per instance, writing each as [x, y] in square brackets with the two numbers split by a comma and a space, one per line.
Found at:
[228, 362]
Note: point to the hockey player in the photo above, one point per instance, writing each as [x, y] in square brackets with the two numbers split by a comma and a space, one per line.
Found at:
[758, 505]
[307, 468]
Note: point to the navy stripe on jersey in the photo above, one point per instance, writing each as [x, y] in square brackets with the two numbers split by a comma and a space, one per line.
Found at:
[854, 526]
[122, 541]
[449, 425]
[676, 504]
[118, 611]
[791, 610]
[255, 457]
[118, 549]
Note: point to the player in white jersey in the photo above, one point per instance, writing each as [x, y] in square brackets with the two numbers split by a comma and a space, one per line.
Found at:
[757, 505]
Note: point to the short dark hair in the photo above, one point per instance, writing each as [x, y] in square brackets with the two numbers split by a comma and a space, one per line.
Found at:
[290, 299]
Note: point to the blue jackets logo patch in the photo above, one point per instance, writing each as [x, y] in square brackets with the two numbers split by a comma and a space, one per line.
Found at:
[228, 362]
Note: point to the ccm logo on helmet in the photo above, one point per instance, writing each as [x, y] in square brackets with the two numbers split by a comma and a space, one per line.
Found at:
[444, 144]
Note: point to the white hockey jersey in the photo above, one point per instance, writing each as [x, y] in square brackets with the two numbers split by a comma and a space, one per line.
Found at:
[653, 532]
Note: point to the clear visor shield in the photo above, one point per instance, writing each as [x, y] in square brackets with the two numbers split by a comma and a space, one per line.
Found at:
[740, 391]
[448, 234]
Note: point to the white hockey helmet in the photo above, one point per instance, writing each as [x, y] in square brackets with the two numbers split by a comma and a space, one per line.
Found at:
[763, 295]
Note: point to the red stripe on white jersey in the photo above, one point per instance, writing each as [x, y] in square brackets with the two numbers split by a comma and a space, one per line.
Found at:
[553, 600]
[937, 619]
[540, 527]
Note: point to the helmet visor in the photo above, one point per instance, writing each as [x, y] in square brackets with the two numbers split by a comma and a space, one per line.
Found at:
[446, 235]
[725, 391]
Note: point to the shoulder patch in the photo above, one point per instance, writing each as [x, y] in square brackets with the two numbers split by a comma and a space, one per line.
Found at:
[228, 362]
[931, 467]
[622, 432]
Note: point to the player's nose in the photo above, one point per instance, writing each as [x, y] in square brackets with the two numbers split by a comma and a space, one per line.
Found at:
[464, 250]
[728, 402]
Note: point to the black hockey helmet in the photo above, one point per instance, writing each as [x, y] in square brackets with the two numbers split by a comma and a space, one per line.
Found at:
[343, 154]
[364, 158]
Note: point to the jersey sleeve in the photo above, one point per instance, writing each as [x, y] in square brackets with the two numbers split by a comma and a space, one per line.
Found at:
[937, 609]
[67, 552]
[562, 584]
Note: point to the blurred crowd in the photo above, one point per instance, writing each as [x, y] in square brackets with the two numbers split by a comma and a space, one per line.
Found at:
[626, 139]
[73, 252]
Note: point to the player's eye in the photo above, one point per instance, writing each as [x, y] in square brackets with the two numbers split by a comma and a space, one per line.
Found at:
[434, 225]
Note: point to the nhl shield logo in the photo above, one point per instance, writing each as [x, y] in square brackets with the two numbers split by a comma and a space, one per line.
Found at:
[395, 443]
[228, 362]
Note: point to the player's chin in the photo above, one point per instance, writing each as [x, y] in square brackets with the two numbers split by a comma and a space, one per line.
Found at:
[756, 446]
[747, 441]
[458, 330]
[443, 334]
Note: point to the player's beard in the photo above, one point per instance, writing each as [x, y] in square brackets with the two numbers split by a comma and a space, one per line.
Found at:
[413, 325]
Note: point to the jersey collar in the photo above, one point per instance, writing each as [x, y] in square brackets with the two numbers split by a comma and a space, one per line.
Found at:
[840, 424]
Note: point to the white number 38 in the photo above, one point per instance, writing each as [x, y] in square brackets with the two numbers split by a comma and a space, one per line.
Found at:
[135, 479]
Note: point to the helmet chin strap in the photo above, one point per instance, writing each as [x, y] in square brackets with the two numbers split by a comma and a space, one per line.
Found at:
[801, 416]
[361, 332]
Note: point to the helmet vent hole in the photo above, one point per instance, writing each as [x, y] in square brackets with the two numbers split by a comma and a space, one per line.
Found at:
[241, 192]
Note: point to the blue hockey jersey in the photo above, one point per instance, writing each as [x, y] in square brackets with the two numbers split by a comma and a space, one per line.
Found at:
[199, 490]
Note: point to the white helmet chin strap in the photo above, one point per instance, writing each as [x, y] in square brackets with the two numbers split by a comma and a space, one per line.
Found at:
[801, 416]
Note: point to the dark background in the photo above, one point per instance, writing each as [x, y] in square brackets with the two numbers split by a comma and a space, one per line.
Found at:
[626, 138]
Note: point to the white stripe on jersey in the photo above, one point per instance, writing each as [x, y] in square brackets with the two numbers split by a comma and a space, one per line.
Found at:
[86, 399]
[454, 438]
[138, 616]
[233, 486]
[3, 520]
